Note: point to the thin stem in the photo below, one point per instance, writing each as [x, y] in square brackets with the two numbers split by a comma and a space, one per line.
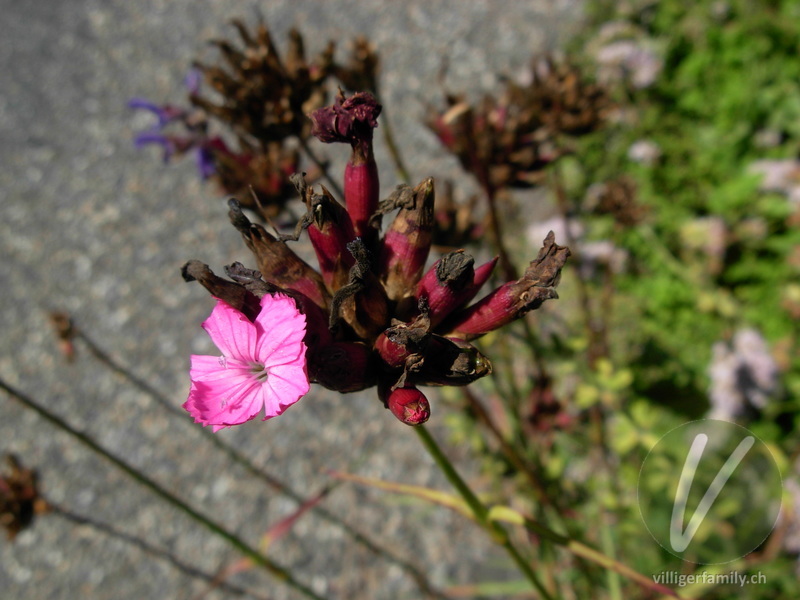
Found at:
[597, 345]
[233, 454]
[150, 549]
[279, 572]
[510, 452]
[509, 272]
[480, 512]
[335, 187]
[394, 151]
[607, 543]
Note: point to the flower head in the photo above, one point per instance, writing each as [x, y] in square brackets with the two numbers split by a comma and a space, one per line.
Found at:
[263, 364]
[372, 315]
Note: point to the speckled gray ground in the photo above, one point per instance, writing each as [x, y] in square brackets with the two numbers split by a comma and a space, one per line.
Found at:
[91, 226]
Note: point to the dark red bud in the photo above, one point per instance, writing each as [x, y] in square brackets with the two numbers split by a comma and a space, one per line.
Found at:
[407, 243]
[330, 231]
[515, 298]
[361, 192]
[408, 404]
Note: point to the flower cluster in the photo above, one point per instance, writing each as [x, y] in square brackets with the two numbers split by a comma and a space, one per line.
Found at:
[373, 315]
[260, 101]
[507, 142]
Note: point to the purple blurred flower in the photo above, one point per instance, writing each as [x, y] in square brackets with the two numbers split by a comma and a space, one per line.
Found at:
[196, 136]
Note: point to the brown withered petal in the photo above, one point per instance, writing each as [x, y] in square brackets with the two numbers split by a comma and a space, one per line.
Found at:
[450, 362]
[403, 340]
[350, 120]
[234, 294]
[514, 299]
[276, 261]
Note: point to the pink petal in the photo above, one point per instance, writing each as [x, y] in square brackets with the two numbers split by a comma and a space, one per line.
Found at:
[229, 401]
[232, 332]
[285, 385]
[281, 329]
[210, 368]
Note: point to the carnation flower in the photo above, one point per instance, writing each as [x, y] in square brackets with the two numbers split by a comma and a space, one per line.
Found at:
[263, 364]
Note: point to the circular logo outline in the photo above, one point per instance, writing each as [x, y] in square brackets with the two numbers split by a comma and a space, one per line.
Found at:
[667, 547]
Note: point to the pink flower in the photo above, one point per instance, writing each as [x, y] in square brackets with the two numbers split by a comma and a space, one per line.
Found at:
[263, 364]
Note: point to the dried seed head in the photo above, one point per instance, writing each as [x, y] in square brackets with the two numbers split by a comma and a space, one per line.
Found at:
[20, 498]
[456, 224]
[361, 72]
[261, 95]
[507, 142]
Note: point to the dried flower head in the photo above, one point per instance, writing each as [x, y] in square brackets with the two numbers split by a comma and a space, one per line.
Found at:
[261, 94]
[20, 500]
[256, 174]
[618, 199]
[373, 315]
[508, 141]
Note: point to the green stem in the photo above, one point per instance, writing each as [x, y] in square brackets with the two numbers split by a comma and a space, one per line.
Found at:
[607, 543]
[258, 558]
[481, 513]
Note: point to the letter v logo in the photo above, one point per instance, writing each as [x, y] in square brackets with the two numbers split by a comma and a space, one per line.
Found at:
[679, 538]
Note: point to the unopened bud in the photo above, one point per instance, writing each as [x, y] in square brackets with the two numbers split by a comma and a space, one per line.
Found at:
[330, 231]
[408, 404]
[514, 299]
[407, 243]
[451, 283]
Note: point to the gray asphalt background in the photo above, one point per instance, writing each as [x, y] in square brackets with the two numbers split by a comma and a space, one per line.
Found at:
[91, 226]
